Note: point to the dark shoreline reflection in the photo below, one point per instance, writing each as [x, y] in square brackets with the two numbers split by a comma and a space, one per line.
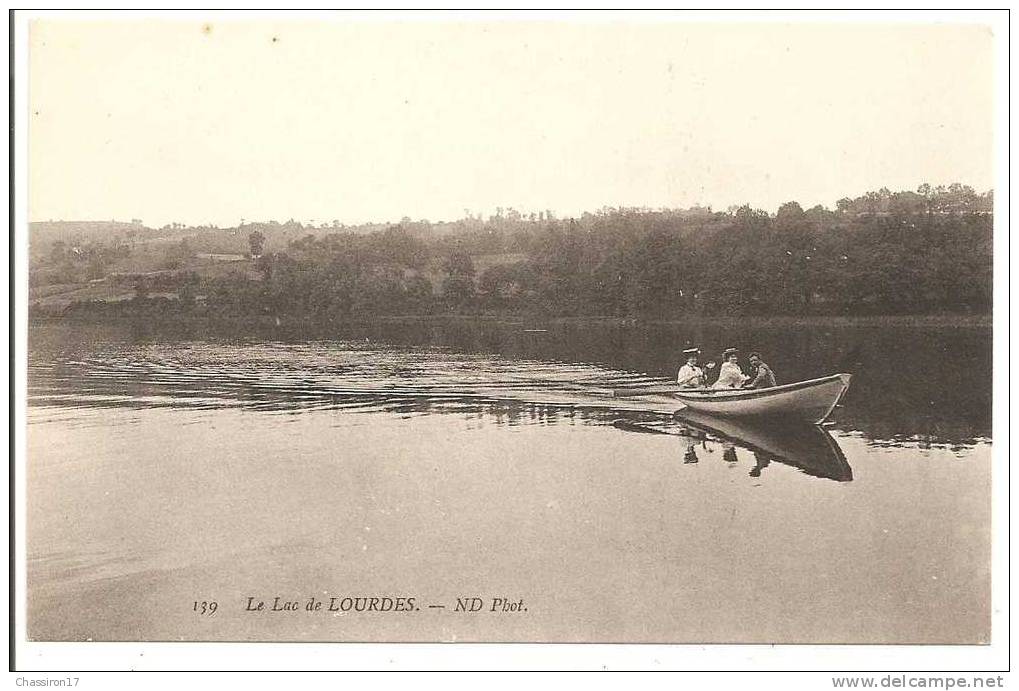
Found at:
[517, 394]
[928, 383]
[894, 399]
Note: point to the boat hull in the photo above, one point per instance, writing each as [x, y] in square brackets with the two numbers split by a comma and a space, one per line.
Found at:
[810, 401]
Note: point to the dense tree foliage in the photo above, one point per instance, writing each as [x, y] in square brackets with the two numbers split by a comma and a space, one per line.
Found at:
[256, 241]
[928, 251]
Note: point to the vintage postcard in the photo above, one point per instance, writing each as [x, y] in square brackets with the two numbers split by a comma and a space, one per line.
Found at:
[583, 328]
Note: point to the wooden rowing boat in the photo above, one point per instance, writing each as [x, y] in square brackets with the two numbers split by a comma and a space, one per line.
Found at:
[811, 401]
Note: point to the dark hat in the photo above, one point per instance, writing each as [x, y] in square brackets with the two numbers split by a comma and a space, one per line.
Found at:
[730, 351]
[692, 351]
[754, 354]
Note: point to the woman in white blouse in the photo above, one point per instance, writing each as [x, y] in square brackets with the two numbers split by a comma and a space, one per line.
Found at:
[730, 376]
[690, 375]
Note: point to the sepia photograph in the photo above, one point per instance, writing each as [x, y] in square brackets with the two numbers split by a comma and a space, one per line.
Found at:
[616, 328]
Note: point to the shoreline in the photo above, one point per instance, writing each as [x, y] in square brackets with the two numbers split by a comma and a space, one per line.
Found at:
[938, 320]
[977, 321]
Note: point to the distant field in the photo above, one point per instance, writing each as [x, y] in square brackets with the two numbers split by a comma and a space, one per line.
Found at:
[79, 292]
[487, 261]
[222, 257]
[119, 286]
[150, 257]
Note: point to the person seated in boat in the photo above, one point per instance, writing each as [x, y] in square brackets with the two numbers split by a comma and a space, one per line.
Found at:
[761, 375]
[730, 376]
[690, 375]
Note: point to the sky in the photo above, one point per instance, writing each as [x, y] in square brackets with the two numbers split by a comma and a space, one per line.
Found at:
[192, 122]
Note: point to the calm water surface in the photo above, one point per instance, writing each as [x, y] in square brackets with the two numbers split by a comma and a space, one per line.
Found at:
[475, 459]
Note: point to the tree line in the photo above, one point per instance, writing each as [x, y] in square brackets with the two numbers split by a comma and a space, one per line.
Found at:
[928, 251]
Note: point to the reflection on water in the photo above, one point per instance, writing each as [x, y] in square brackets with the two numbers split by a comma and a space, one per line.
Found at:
[278, 378]
[359, 377]
[803, 446]
[923, 386]
[296, 379]
[429, 469]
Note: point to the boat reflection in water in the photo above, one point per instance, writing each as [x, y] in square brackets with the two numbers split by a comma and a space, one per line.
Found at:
[804, 446]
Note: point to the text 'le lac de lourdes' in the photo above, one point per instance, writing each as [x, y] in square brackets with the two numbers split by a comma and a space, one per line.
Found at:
[467, 605]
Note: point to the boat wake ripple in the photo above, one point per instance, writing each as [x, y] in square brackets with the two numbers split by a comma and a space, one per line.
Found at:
[280, 377]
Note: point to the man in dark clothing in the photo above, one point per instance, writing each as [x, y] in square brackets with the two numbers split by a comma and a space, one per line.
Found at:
[763, 377]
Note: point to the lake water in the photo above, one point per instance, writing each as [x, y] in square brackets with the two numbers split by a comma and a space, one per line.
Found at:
[476, 462]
